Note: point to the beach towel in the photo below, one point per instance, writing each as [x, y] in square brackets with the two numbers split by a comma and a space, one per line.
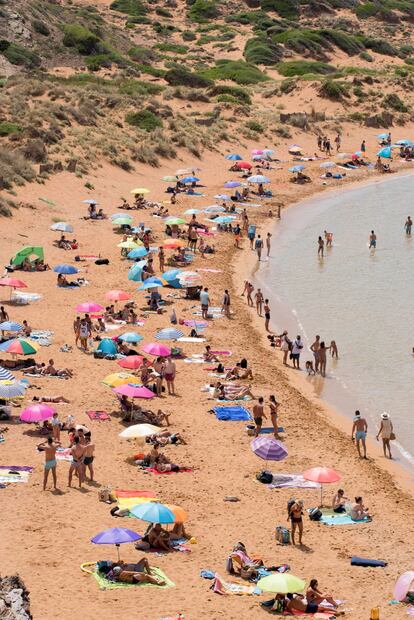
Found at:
[63, 454]
[98, 415]
[221, 352]
[235, 413]
[208, 270]
[188, 339]
[269, 430]
[127, 503]
[193, 360]
[16, 476]
[154, 471]
[106, 584]
[333, 518]
[27, 468]
[133, 493]
[219, 586]
[291, 481]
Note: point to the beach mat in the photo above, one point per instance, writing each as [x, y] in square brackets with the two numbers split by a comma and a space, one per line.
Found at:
[333, 518]
[357, 561]
[98, 415]
[133, 493]
[235, 413]
[220, 586]
[28, 468]
[269, 430]
[9, 476]
[291, 481]
[106, 584]
[160, 473]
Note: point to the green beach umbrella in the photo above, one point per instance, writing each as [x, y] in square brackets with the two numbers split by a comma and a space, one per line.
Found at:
[175, 221]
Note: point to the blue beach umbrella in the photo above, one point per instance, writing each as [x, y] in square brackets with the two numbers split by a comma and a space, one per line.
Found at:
[233, 157]
[107, 346]
[10, 326]
[190, 180]
[135, 271]
[385, 152]
[130, 337]
[214, 209]
[297, 168]
[223, 219]
[169, 333]
[258, 178]
[171, 274]
[65, 269]
[62, 226]
[382, 136]
[147, 286]
[404, 142]
[137, 253]
[153, 512]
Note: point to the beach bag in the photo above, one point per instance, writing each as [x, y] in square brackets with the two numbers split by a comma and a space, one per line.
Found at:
[105, 495]
[102, 261]
[315, 514]
[265, 477]
[282, 535]
[392, 436]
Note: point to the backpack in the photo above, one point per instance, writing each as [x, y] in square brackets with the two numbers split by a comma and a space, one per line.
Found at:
[282, 535]
[315, 514]
[265, 477]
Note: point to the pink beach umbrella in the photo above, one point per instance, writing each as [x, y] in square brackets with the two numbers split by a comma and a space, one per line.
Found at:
[13, 283]
[323, 475]
[37, 413]
[154, 348]
[405, 584]
[89, 306]
[117, 295]
[134, 390]
[133, 362]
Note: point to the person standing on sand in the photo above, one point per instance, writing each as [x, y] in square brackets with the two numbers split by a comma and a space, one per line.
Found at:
[297, 347]
[295, 517]
[250, 289]
[386, 432]
[161, 259]
[268, 237]
[76, 326]
[258, 246]
[258, 415]
[169, 374]
[408, 225]
[363, 147]
[226, 304]
[267, 314]
[205, 302]
[274, 407]
[359, 430]
[89, 450]
[49, 447]
[259, 301]
[320, 143]
[315, 346]
[338, 142]
[285, 345]
[321, 246]
[251, 234]
[76, 452]
[372, 240]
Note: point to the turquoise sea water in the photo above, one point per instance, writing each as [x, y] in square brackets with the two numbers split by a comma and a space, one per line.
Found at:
[362, 299]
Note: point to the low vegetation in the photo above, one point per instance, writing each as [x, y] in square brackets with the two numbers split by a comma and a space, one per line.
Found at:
[237, 71]
[303, 67]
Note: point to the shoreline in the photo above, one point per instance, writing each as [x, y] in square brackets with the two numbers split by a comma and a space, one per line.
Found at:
[403, 474]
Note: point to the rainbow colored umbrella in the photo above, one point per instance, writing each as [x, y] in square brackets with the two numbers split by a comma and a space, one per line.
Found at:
[37, 413]
[19, 346]
[157, 349]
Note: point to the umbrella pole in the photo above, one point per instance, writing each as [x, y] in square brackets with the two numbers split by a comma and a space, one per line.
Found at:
[117, 548]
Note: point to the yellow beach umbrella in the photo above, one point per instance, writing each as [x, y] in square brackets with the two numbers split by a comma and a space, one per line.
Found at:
[130, 244]
[118, 378]
[140, 190]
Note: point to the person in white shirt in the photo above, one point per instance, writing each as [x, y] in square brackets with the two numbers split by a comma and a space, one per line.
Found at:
[204, 301]
[297, 347]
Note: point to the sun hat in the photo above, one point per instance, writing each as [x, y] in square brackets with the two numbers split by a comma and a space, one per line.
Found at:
[385, 416]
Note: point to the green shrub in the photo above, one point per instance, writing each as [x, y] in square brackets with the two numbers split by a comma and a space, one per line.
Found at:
[135, 87]
[144, 119]
[335, 90]
[203, 10]
[188, 35]
[405, 50]
[364, 11]
[227, 99]
[237, 93]
[394, 102]
[155, 71]
[179, 76]
[287, 86]
[303, 67]
[19, 55]
[380, 46]
[237, 71]
[163, 12]
[365, 56]
[262, 51]
[135, 8]
[345, 42]
[40, 27]
[145, 55]
[137, 19]
[82, 39]
[255, 126]
[95, 62]
[303, 41]
[172, 47]
[285, 8]
[165, 30]
[7, 128]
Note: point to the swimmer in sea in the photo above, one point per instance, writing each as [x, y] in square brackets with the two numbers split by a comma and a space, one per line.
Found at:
[321, 246]
[372, 240]
[328, 238]
[408, 225]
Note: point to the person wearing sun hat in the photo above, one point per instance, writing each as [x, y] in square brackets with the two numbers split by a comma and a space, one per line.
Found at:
[386, 432]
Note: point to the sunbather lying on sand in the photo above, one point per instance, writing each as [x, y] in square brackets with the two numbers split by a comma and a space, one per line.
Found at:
[294, 602]
[239, 373]
[231, 392]
[50, 399]
[126, 576]
[57, 372]
[165, 437]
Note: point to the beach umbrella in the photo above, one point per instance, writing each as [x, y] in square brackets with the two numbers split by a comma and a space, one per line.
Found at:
[122, 221]
[258, 178]
[295, 149]
[115, 536]
[171, 274]
[214, 209]
[134, 390]
[404, 142]
[323, 475]
[153, 512]
[134, 273]
[268, 151]
[37, 413]
[10, 389]
[137, 253]
[130, 337]
[244, 165]
[19, 346]
[221, 197]
[114, 216]
[382, 136]
[404, 584]
[65, 269]
[117, 295]
[358, 154]
[281, 583]
[170, 179]
[62, 226]
[171, 244]
[385, 152]
[10, 326]
[119, 378]
[151, 283]
[269, 449]
[233, 157]
[139, 431]
[13, 283]
[156, 349]
[89, 201]
[179, 513]
[132, 362]
[223, 219]
[169, 333]
[190, 179]
[140, 190]
[6, 375]
[88, 306]
[327, 164]
[257, 152]
[129, 244]
[297, 168]
[107, 346]
[192, 212]
[231, 184]
[174, 221]
[194, 323]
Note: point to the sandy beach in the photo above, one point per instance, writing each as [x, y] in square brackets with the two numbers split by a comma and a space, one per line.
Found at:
[46, 536]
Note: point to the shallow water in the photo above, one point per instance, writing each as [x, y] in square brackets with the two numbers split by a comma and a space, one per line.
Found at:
[362, 299]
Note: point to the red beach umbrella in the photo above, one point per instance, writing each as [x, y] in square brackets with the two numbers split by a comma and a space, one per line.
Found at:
[133, 362]
[244, 165]
[323, 475]
[13, 283]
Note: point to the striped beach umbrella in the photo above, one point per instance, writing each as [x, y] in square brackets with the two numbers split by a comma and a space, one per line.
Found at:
[6, 375]
[269, 449]
[62, 226]
[10, 326]
[169, 333]
[11, 389]
[19, 346]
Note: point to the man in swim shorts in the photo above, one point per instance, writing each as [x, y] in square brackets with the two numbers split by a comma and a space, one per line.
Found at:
[359, 430]
[88, 456]
[49, 447]
[77, 453]
[258, 415]
[372, 240]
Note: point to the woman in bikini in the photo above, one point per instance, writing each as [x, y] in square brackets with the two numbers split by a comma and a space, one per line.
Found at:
[295, 516]
[274, 406]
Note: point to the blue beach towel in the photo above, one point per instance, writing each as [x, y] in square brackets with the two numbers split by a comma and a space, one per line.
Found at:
[268, 430]
[340, 519]
[234, 413]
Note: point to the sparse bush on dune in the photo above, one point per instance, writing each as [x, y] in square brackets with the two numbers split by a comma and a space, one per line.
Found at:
[7, 128]
[82, 39]
[181, 77]
[203, 10]
[255, 126]
[236, 70]
[189, 35]
[14, 168]
[285, 8]
[144, 119]
[144, 153]
[393, 101]
[262, 51]
[240, 94]
[40, 27]
[135, 8]
[142, 54]
[303, 67]
[138, 87]
[35, 150]
[172, 47]
[332, 89]
[6, 206]
[18, 55]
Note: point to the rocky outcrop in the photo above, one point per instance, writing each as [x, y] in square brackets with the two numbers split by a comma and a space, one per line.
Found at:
[14, 599]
